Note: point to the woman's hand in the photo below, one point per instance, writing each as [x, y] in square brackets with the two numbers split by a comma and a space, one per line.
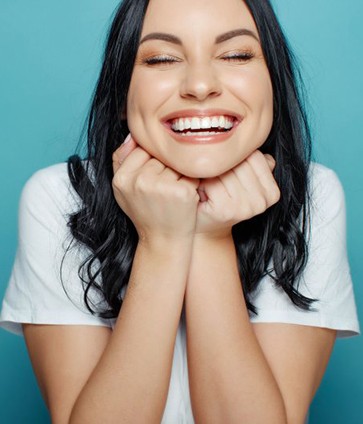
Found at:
[240, 194]
[160, 202]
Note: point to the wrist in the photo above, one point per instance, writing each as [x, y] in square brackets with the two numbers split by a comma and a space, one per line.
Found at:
[212, 248]
[167, 247]
[213, 260]
[217, 237]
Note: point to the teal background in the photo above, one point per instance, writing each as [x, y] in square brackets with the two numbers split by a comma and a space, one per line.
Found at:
[49, 58]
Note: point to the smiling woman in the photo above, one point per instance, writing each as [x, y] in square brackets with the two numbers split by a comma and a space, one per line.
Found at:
[207, 75]
[186, 269]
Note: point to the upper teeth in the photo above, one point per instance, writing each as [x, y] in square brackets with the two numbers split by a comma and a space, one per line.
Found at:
[206, 122]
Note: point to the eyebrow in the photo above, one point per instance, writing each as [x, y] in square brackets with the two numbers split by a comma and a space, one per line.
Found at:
[163, 36]
[236, 33]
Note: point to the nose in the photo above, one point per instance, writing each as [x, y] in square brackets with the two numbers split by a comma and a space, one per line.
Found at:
[200, 82]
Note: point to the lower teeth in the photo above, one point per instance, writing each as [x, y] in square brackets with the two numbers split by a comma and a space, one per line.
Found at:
[202, 133]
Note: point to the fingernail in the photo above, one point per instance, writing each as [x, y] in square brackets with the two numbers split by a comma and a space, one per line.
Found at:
[127, 139]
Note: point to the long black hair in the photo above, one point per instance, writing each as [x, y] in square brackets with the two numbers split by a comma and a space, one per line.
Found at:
[273, 243]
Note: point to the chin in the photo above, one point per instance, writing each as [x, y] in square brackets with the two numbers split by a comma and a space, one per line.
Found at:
[200, 175]
[202, 172]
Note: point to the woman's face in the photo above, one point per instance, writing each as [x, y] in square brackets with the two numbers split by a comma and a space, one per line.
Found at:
[200, 98]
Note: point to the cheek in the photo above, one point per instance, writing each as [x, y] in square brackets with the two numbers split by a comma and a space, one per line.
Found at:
[261, 91]
[148, 92]
[136, 102]
[266, 93]
[136, 99]
[138, 105]
[259, 98]
[264, 110]
[252, 86]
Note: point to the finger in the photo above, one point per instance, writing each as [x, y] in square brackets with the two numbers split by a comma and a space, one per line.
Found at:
[270, 161]
[243, 180]
[137, 158]
[154, 166]
[243, 177]
[202, 194]
[126, 148]
[233, 182]
[262, 166]
[122, 152]
[213, 191]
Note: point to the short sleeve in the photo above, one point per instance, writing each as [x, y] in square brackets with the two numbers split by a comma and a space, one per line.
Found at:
[44, 286]
[327, 275]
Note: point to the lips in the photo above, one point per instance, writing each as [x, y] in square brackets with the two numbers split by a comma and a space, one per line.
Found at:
[202, 126]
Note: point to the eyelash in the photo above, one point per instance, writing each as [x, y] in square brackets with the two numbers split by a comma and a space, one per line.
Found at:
[169, 60]
[156, 60]
[238, 57]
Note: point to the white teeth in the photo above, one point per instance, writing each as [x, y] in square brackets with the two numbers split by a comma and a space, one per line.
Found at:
[187, 123]
[181, 126]
[201, 133]
[206, 122]
[215, 122]
[228, 125]
[195, 124]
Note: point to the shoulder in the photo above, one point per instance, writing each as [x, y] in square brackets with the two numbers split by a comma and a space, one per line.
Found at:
[326, 194]
[45, 287]
[49, 193]
[327, 269]
[55, 174]
[323, 180]
[52, 180]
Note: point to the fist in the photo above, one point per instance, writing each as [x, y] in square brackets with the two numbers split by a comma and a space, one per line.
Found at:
[160, 202]
[240, 194]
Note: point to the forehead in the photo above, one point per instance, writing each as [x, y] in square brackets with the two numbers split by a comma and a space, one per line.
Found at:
[190, 17]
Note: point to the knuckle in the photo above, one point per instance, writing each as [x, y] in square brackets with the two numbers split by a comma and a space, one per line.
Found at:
[117, 180]
[114, 157]
[120, 182]
[275, 194]
[154, 164]
[256, 156]
[183, 193]
[269, 158]
[248, 212]
[141, 183]
[227, 214]
[260, 205]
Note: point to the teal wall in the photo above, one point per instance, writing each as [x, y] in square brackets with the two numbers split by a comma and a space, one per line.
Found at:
[49, 58]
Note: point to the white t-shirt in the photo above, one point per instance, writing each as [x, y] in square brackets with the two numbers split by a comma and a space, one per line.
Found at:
[35, 293]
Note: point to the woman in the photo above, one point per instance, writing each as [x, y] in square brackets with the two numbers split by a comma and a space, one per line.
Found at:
[198, 197]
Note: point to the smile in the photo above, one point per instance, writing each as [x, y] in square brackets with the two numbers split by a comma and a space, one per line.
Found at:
[208, 126]
[202, 126]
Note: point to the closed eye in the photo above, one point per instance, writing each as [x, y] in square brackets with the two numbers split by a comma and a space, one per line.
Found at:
[238, 57]
[160, 60]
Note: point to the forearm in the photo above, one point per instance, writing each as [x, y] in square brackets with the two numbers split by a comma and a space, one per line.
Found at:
[230, 380]
[130, 383]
